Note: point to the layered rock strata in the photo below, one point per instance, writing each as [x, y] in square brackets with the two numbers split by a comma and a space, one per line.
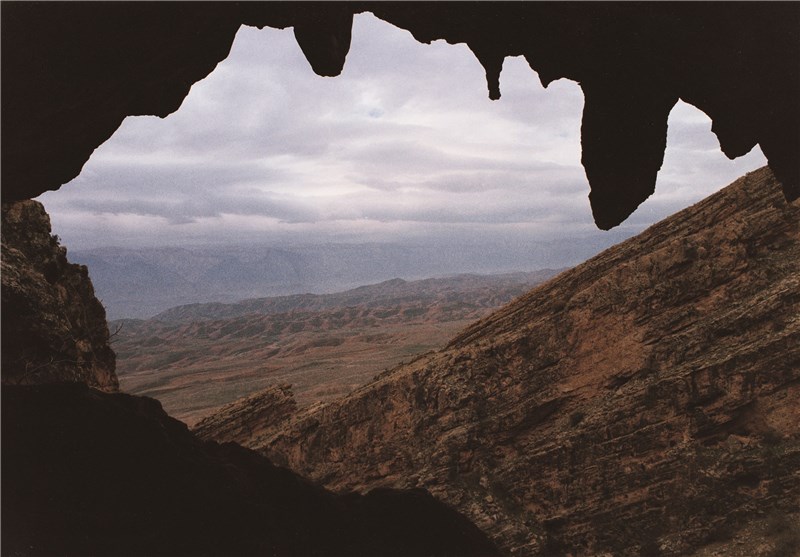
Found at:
[252, 416]
[641, 403]
[53, 327]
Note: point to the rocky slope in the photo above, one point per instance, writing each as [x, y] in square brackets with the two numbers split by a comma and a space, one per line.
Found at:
[642, 403]
[92, 473]
[54, 328]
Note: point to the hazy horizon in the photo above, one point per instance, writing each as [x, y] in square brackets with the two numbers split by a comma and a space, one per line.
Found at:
[139, 282]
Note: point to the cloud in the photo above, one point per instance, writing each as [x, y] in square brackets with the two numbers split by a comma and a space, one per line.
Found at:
[404, 144]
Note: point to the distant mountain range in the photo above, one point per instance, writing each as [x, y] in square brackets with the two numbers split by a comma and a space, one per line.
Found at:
[141, 282]
[459, 291]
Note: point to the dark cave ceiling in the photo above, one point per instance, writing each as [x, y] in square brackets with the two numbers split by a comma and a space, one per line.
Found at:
[72, 71]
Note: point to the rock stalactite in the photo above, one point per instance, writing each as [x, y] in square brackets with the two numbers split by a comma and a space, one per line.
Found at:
[74, 71]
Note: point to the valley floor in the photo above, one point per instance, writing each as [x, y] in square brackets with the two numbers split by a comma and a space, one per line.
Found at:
[194, 377]
[195, 359]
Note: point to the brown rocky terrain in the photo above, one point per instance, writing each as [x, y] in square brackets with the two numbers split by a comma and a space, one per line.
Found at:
[198, 357]
[642, 403]
[54, 328]
[266, 410]
[772, 534]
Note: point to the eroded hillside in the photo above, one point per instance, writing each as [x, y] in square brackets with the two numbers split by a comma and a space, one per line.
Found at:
[643, 402]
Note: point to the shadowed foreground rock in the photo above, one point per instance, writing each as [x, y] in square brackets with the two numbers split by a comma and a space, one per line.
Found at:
[54, 328]
[91, 473]
[643, 402]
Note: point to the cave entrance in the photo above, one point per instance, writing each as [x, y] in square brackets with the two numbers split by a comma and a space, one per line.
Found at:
[272, 181]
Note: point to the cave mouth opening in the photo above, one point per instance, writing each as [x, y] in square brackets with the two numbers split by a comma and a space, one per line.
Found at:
[270, 180]
[403, 147]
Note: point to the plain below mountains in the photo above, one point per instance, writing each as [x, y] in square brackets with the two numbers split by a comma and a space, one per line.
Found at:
[197, 357]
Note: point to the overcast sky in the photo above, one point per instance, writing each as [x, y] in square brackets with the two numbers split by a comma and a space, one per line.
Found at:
[405, 144]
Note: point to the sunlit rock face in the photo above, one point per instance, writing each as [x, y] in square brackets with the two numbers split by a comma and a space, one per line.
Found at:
[54, 328]
[76, 70]
[640, 403]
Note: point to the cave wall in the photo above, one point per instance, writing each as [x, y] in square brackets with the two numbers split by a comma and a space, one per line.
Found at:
[75, 70]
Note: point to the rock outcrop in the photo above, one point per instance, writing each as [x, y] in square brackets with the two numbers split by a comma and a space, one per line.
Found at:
[642, 403]
[92, 473]
[74, 71]
[253, 416]
[53, 327]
